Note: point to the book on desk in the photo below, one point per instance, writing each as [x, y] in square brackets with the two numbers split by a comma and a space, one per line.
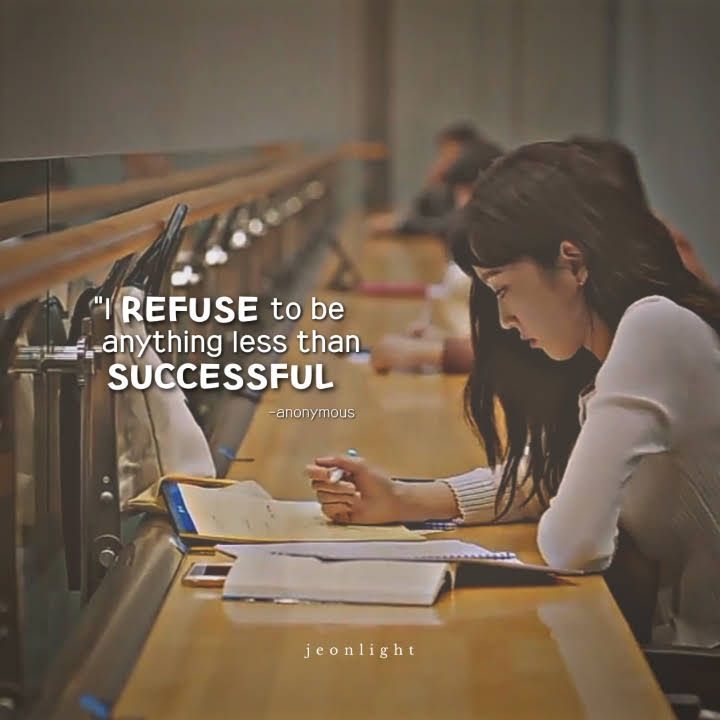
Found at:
[392, 573]
[288, 551]
[288, 578]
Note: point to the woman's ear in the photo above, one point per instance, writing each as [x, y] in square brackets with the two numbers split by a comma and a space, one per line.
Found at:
[572, 258]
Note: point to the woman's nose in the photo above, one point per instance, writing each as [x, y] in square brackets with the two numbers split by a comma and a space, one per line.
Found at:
[507, 320]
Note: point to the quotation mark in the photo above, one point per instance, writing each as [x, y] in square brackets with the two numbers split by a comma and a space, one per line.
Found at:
[100, 300]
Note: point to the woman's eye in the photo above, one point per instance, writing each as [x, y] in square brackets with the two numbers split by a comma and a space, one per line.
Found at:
[501, 292]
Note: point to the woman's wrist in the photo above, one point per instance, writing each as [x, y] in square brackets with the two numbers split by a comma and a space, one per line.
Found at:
[429, 353]
[417, 502]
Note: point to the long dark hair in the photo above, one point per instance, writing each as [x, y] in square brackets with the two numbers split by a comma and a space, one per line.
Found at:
[523, 207]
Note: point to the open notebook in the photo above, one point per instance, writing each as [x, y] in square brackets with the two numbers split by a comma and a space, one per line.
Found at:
[265, 576]
[230, 514]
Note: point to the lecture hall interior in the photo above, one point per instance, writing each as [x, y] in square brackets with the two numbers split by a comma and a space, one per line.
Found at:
[359, 358]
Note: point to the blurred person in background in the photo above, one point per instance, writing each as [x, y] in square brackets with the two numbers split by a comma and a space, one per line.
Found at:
[427, 215]
[425, 347]
[623, 163]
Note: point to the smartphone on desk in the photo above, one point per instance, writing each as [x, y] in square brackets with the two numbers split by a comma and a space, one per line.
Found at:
[206, 574]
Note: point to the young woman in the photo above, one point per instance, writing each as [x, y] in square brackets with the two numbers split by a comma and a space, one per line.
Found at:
[579, 291]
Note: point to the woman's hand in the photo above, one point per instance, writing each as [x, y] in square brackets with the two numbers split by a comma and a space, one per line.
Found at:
[364, 496]
[398, 352]
[423, 329]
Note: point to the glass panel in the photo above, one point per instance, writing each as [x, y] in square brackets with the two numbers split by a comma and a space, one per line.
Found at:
[23, 214]
[248, 250]
[23, 198]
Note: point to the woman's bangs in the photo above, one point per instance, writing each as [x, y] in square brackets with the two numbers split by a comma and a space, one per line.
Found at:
[461, 252]
[491, 245]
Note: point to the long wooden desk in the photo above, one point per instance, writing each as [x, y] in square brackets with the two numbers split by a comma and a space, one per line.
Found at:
[556, 651]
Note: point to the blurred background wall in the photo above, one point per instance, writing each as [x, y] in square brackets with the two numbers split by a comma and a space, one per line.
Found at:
[668, 110]
[101, 76]
[90, 76]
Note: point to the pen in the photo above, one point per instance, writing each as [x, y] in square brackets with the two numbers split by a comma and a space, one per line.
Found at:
[100, 709]
[96, 707]
[336, 474]
[426, 316]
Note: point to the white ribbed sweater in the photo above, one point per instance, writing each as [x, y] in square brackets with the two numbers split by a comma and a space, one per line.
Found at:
[647, 458]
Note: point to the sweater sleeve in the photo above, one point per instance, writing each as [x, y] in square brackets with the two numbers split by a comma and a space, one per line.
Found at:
[457, 355]
[640, 396]
[475, 493]
[414, 224]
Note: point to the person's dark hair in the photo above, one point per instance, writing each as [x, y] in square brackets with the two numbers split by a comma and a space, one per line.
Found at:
[461, 133]
[618, 159]
[523, 207]
[476, 158]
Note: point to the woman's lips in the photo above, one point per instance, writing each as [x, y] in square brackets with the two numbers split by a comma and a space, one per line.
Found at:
[529, 340]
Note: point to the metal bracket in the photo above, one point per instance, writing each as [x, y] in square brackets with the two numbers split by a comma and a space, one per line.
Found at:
[99, 497]
[99, 489]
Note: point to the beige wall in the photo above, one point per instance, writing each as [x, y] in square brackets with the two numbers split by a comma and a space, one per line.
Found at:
[100, 76]
[523, 70]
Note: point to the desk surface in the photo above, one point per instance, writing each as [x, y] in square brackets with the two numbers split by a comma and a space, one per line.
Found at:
[557, 651]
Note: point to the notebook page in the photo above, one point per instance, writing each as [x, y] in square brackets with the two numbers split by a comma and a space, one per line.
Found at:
[227, 514]
[246, 487]
[150, 501]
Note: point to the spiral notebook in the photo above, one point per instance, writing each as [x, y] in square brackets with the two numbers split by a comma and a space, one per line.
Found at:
[444, 551]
